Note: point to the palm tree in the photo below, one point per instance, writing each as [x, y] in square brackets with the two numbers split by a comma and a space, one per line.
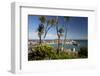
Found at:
[57, 31]
[66, 19]
[60, 34]
[42, 19]
[40, 32]
[41, 27]
[50, 24]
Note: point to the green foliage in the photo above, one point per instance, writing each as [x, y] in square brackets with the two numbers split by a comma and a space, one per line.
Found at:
[83, 53]
[46, 52]
[41, 52]
[52, 21]
[40, 29]
[60, 31]
[42, 19]
[66, 18]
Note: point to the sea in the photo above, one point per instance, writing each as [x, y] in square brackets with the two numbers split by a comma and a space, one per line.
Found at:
[81, 43]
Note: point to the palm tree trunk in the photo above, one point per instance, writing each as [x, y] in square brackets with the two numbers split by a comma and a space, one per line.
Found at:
[40, 41]
[45, 34]
[46, 31]
[58, 50]
[65, 34]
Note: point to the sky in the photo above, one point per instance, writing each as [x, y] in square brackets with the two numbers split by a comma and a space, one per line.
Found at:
[77, 27]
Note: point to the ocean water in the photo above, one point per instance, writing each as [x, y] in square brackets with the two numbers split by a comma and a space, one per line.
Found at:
[81, 43]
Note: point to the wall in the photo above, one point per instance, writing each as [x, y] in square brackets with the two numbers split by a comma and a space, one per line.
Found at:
[5, 33]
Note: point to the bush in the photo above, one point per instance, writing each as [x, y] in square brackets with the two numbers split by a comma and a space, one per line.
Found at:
[83, 53]
[47, 52]
[40, 52]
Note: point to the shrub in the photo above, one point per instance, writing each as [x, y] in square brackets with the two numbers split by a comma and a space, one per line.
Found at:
[83, 53]
[42, 52]
[47, 52]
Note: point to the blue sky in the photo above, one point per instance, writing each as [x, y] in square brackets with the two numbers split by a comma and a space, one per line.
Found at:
[77, 27]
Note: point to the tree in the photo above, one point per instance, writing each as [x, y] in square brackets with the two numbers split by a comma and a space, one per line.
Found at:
[66, 19]
[56, 21]
[40, 32]
[83, 52]
[50, 24]
[41, 28]
[59, 32]
[42, 19]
